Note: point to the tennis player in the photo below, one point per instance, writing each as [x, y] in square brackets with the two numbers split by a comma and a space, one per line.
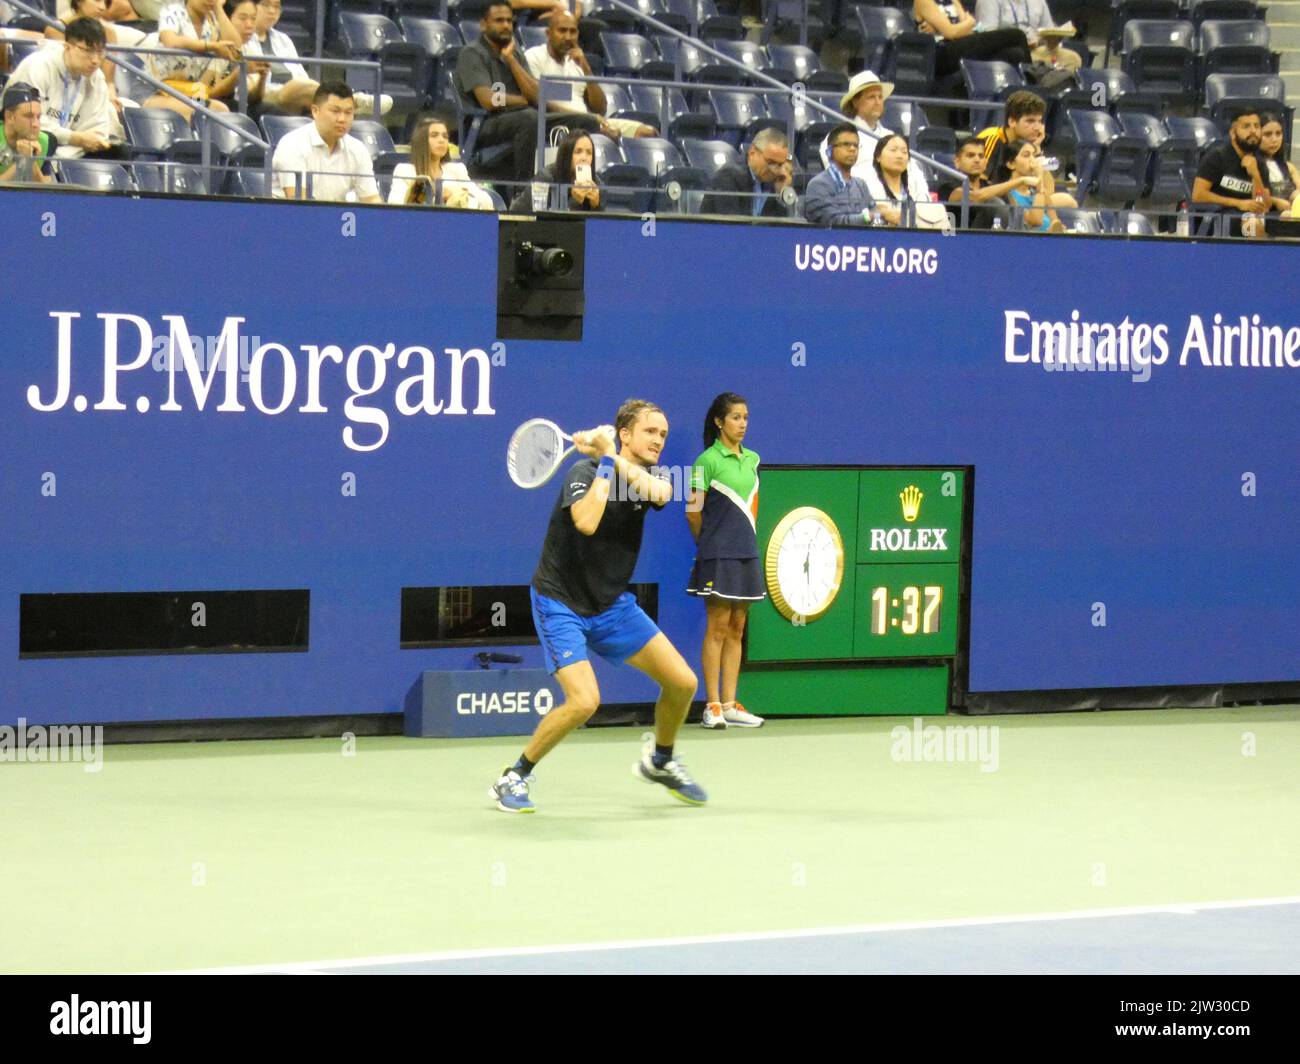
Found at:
[722, 510]
[582, 605]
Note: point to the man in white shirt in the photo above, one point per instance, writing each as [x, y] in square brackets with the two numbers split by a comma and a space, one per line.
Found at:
[1032, 16]
[77, 111]
[560, 56]
[339, 164]
[291, 89]
[863, 103]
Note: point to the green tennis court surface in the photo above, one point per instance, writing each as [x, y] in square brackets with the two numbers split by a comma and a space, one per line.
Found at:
[203, 855]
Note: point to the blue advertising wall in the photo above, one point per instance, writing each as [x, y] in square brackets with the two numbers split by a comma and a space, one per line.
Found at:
[1167, 493]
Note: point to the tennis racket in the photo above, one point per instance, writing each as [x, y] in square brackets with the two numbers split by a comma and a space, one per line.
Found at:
[537, 450]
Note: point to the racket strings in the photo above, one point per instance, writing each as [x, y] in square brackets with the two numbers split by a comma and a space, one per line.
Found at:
[534, 453]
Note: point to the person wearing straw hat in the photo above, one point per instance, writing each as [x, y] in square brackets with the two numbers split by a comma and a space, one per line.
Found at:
[863, 103]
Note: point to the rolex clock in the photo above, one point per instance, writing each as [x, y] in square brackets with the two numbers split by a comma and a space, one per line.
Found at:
[804, 564]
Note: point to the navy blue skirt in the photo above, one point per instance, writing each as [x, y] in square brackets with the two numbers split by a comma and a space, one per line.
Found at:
[734, 579]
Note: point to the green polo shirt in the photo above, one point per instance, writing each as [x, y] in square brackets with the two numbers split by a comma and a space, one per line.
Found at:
[730, 484]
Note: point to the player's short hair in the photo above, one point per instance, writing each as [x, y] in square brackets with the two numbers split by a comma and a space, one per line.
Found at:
[631, 410]
[85, 31]
[1021, 104]
[326, 89]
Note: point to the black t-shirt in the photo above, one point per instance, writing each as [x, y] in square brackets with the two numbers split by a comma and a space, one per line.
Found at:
[588, 573]
[478, 64]
[1221, 167]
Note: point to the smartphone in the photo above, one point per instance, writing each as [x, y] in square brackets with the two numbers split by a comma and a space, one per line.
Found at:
[582, 174]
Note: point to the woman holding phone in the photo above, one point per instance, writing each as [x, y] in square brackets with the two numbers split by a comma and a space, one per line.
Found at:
[574, 167]
[722, 512]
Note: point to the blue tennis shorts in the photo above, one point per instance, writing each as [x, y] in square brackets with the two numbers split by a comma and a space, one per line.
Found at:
[615, 635]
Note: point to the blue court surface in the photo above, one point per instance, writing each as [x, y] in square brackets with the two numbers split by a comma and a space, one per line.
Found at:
[1224, 938]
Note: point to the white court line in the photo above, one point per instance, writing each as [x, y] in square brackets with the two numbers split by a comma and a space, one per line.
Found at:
[315, 967]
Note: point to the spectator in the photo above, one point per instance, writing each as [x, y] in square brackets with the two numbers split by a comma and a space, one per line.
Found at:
[21, 139]
[431, 159]
[985, 199]
[340, 163]
[1280, 172]
[574, 167]
[78, 111]
[114, 34]
[958, 36]
[888, 181]
[290, 88]
[114, 11]
[757, 187]
[560, 56]
[864, 102]
[491, 76]
[1231, 175]
[1033, 17]
[1025, 169]
[243, 17]
[1024, 114]
[193, 26]
[836, 196]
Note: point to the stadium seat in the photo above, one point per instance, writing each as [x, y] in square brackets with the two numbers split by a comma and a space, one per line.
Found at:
[276, 126]
[627, 188]
[905, 117]
[227, 145]
[100, 175]
[1130, 223]
[1239, 46]
[172, 178]
[801, 64]
[626, 53]
[1203, 10]
[740, 115]
[878, 27]
[988, 80]
[1197, 130]
[1160, 57]
[1081, 221]
[1127, 10]
[470, 30]
[661, 160]
[808, 144]
[151, 131]
[670, 48]
[1111, 164]
[1112, 90]
[1225, 92]
[746, 52]
[407, 76]
[793, 115]
[374, 136]
[531, 36]
[911, 68]
[789, 16]
[431, 34]
[617, 19]
[1148, 128]
[606, 151]
[709, 155]
[935, 141]
[363, 35]
[248, 182]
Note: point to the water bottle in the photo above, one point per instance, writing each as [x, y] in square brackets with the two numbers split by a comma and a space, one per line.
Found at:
[876, 217]
[997, 223]
[1184, 221]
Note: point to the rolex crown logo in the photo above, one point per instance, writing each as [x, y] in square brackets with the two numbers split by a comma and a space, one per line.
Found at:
[911, 497]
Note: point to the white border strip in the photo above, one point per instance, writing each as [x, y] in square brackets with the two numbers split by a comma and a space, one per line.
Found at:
[315, 967]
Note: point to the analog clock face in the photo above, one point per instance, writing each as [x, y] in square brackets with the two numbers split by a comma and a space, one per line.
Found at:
[805, 564]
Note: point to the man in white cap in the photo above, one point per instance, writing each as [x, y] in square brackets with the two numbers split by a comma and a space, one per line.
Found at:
[863, 103]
